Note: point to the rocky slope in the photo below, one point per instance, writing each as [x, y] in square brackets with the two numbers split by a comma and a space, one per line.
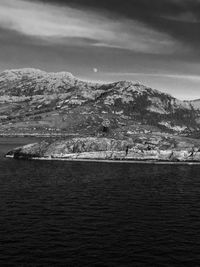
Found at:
[146, 147]
[195, 103]
[36, 102]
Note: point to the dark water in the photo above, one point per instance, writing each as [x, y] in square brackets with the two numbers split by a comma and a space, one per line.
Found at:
[98, 214]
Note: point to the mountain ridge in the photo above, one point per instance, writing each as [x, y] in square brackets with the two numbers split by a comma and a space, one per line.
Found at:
[47, 101]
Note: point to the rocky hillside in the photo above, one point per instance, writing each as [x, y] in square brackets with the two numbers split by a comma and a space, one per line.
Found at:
[36, 102]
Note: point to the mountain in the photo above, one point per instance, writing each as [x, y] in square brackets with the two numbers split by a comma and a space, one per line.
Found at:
[195, 103]
[36, 102]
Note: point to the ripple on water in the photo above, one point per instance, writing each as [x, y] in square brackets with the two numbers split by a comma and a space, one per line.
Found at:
[81, 213]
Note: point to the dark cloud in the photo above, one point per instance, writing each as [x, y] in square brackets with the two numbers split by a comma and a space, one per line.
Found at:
[178, 18]
[137, 8]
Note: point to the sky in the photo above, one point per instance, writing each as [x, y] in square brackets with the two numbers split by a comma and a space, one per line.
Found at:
[154, 42]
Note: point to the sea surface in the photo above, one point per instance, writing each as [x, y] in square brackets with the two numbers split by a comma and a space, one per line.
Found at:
[55, 213]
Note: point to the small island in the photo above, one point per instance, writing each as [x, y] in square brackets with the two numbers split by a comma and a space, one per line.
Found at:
[140, 148]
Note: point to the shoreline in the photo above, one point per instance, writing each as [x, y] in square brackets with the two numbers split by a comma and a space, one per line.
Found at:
[36, 135]
[154, 162]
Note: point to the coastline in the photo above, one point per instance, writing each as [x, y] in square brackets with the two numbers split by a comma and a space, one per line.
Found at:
[35, 135]
[131, 161]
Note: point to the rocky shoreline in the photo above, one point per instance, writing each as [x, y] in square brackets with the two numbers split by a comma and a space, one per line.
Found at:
[142, 149]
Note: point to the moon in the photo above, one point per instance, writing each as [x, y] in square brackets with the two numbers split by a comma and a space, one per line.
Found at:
[95, 70]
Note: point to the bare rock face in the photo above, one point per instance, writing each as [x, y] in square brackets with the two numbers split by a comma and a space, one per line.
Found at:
[109, 149]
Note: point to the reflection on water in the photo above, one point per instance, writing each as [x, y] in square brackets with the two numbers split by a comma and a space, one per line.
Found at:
[87, 214]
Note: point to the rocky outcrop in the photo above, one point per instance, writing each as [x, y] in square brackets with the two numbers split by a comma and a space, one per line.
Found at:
[144, 149]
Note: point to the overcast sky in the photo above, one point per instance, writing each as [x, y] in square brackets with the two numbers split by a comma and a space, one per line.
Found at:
[155, 42]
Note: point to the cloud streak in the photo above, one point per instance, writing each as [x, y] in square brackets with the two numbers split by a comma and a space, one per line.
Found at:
[68, 25]
[178, 18]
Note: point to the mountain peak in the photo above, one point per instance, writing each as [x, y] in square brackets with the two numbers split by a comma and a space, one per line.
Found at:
[23, 71]
[34, 72]
[30, 81]
[137, 87]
